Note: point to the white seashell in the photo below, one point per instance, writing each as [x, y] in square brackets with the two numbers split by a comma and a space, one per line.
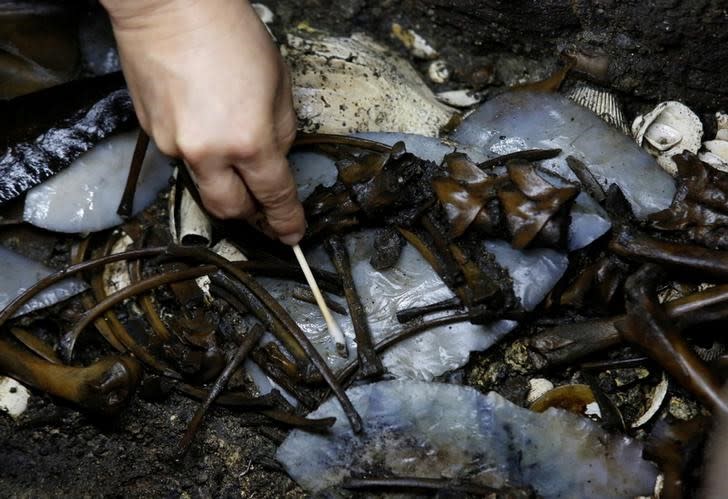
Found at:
[459, 98]
[669, 129]
[13, 397]
[230, 252]
[418, 46]
[721, 120]
[656, 401]
[438, 71]
[718, 147]
[171, 207]
[264, 13]
[715, 152]
[593, 409]
[662, 137]
[348, 85]
[195, 225]
[714, 160]
[116, 275]
[605, 104]
[539, 386]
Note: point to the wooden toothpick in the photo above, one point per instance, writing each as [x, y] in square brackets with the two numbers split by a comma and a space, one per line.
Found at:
[334, 329]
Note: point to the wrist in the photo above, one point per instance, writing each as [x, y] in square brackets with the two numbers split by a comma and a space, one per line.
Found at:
[162, 16]
[134, 12]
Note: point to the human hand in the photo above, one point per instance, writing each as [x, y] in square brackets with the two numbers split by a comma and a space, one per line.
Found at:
[210, 87]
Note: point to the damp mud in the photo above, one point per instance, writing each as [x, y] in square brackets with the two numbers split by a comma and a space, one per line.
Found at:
[53, 449]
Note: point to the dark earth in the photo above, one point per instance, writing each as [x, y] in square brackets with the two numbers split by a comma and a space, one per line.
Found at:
[658, 50]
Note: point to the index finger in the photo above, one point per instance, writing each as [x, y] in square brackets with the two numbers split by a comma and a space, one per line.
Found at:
[270, 181]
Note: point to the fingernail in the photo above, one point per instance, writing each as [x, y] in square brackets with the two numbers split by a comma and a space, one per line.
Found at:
[291, 239]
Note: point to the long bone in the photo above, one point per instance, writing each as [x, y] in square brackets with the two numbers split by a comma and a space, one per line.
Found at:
[104, 387]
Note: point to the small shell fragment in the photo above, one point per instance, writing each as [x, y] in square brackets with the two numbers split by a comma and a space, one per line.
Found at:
[573, 398]
[459, 98]
[669, 129]
[116, 275]
[354, 84]
[195, 225]
[656, 401]
[418, 46]
[539, 386]
[605, 104]
[715, 152]
[438, 71]
[264, 13]
[227, 250]
[13, 397]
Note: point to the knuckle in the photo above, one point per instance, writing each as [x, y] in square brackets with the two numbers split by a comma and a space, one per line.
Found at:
[275, 198]
[248, 145]
[193, 149]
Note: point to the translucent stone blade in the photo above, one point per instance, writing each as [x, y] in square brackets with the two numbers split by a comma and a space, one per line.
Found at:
[435, 430]
[412, 282]
[19, 273]
[527, 120]
[85, 196]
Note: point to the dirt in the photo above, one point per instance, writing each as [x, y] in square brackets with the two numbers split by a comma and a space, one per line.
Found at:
[53, 450]
[659, 50]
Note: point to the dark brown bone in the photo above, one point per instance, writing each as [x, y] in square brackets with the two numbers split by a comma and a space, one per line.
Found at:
[36, 345]
[648, 325]
[468, 195]
[275, 366]
[103, 387]
[673, 447]
[275, 308]
[693, 262]
[388, 244]
[567, 343]
[303, 140]
[243, 300]
[535, 201]
[528, 154]
[444, 487]
[409, 314]
[588, 182]
[369, 362]
[246, 345]
[126, 205]
[306, 295]
[105, 325]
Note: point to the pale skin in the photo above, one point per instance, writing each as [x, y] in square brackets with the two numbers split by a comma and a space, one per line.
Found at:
[210, 87]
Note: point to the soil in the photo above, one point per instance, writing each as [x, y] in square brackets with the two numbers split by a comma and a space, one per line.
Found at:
[666, 49]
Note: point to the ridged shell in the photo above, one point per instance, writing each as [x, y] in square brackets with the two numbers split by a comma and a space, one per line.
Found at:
[605, 104]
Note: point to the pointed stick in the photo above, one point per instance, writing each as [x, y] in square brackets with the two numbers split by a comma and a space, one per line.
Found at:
[334, 329]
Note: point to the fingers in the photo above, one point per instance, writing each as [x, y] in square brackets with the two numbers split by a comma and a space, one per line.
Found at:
[222, 191]
[271, 183]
